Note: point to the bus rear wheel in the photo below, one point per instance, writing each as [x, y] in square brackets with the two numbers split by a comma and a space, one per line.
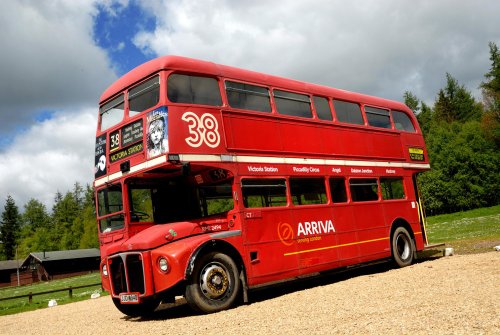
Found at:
[402, 247]
[214, 285]
[145, 308]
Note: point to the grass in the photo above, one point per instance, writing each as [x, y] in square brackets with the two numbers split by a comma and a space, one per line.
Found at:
[467, 232]
[41, 301]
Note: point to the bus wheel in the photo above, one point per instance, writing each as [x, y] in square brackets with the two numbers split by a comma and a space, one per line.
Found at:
[402, 247]
[145, 308]
[214, 285]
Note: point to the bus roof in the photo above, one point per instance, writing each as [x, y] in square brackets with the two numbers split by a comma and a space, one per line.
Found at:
[191, 65]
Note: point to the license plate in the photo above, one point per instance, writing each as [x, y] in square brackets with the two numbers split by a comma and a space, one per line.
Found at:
[129, 298]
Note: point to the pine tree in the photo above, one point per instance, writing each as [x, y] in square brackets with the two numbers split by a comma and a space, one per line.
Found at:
[35, 215]
[456, 103]
[412, 101]
[10, 228]
[490, 122]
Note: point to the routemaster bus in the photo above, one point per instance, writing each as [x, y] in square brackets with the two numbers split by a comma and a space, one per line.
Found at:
[212, 180]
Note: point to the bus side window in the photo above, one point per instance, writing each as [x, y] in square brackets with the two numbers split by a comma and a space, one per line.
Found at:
[246, 96]
[402, 121]
[308, 191]
[392, 188]
[264, 192]
[364, 189]
[322, 108]
[338, 190]
[288, 103]
[193, 90]
[378, 117]
[348, 112]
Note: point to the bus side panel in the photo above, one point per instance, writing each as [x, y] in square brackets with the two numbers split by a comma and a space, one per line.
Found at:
[373, 238]
[317, 244]
[302, 138]
[260, 134]
[345, 226]
[269, 244]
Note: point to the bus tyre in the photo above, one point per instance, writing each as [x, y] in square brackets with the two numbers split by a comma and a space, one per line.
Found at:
[214, 285]
[145, 308]
[402, 247]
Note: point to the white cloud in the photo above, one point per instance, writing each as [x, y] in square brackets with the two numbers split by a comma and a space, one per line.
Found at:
[49, 157]
[48, 60]
[375, 47]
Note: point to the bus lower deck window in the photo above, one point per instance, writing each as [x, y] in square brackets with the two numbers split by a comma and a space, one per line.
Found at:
[364, 189]
[264, 192]
[308, 191]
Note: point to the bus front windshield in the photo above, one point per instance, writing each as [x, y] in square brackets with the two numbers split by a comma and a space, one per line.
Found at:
[110, 208]
[178, 199]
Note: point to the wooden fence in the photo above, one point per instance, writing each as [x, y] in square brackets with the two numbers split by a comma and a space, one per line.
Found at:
[69, 289]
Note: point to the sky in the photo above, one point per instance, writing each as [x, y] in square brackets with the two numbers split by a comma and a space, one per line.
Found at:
[58, 56]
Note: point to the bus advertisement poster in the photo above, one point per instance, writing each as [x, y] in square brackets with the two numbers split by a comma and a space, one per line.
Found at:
[157, 136]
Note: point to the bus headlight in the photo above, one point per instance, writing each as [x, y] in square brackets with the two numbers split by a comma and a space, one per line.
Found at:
[105, 270]
[163, 264]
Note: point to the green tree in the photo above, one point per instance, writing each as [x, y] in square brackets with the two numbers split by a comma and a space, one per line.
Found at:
[36, 226]
[491, 97]
[456, 103]
[35, 215]
[411, 101]
[425, 118]
[10, 228]
[465, 169]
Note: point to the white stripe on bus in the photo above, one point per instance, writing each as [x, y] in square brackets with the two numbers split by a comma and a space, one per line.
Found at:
[259, 159]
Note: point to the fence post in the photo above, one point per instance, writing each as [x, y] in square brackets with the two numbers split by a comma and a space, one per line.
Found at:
[30, 298]
[70, 292]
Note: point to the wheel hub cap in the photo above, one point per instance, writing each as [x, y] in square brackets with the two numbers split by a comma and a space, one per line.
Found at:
[214, 281]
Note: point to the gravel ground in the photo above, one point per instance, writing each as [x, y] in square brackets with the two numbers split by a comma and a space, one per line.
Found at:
[452, 295]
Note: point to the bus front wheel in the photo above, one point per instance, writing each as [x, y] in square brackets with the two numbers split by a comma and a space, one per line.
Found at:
[214, 285]
[402, 247]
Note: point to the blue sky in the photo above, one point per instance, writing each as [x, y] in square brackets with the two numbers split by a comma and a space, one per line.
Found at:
[115, 29]
[58, 56]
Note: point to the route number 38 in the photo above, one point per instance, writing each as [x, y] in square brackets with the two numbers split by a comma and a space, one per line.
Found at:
[204, 129]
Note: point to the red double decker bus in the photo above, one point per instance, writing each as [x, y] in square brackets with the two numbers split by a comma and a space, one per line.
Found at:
[212, 180]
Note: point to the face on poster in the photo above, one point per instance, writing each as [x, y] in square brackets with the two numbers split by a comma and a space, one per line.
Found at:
[100, 156]
[157, 132]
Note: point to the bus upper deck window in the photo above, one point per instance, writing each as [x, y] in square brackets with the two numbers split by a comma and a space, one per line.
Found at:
[322, 108]
[144, 95]
[402, 121]
[193, 90]
[246, 96]
[289, 103]
[378, 117]
[111, 113]
[348, 112]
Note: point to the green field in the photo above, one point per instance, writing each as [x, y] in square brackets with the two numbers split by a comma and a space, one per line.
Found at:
[473, 231]
[467, 232]
[41, 301]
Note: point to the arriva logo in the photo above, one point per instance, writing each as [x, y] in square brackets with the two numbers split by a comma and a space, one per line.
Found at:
[306, 229]
[204, 129]
[285, 232]
[315, 228]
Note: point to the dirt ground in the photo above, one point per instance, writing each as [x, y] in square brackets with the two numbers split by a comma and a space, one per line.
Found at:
[452, 295]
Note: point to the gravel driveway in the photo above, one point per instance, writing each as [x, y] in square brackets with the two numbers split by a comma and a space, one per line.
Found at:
[452, 295]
